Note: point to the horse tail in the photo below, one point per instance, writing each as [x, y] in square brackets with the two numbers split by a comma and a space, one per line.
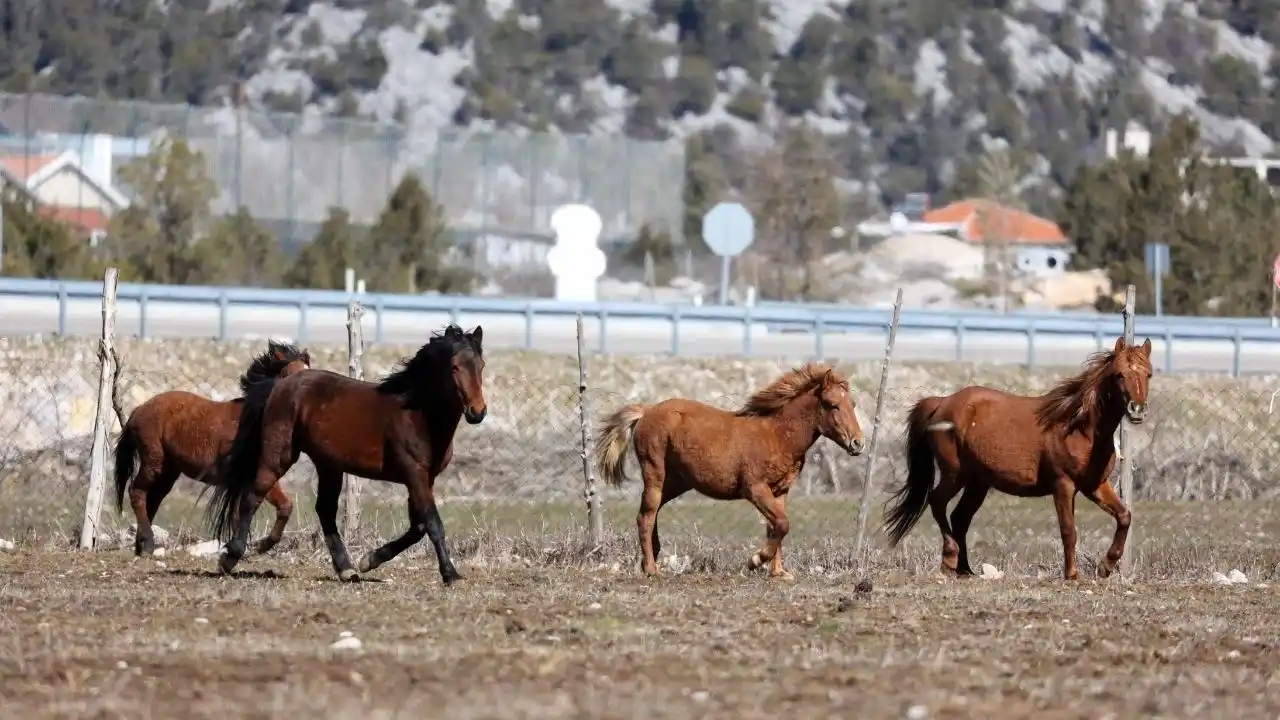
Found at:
[908, 503]
[126, 461]
[616, 436]
[239, 467]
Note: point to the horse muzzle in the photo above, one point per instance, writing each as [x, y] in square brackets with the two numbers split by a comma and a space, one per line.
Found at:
[1136, 412]
[855, 446]
[474, 416]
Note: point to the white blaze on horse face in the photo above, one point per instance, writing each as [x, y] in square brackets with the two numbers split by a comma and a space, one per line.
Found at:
[576, 260]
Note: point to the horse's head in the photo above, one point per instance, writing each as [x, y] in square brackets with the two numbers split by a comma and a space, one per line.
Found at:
[836, 418]
[467, 366]
[1131, 370]
[294, 361]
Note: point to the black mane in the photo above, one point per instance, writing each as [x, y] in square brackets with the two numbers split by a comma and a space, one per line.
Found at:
[413, 376]
[269, 364]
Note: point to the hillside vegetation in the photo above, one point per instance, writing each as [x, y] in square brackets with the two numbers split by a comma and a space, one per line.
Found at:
[899, 95]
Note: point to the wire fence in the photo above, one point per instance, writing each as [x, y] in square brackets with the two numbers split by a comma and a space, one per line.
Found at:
[1205, 483]
[287, 169]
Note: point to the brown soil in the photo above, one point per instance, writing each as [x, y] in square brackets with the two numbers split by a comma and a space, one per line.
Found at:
[101, 635]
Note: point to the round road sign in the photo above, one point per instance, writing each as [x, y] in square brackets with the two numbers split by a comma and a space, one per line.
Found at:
[728, 229]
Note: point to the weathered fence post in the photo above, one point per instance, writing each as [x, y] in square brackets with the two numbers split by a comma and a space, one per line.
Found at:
[355, 369]
[106, 381]
[595, 519]
[1126, 448]
[863, 506]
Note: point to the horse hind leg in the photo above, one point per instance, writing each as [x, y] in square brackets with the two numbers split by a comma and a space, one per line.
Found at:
[284, 509]
[149, 488]
[961, 518]
[939, 496]
[670, 491]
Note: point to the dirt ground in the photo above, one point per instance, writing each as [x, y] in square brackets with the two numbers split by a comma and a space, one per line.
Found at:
[101, 635]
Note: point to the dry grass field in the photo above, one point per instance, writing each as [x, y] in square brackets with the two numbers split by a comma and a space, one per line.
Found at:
[545, 625]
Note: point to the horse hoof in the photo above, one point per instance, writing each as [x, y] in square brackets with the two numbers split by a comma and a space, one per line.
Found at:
[264, 546]
[755, 562]
[783, 576]
[1104, 572]
[366, 564]
[349, 575]
[450, 579]
[225, 565]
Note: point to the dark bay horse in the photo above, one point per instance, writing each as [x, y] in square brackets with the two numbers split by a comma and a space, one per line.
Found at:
[754, 453]
[1060, 443]
[399, 430]
[181, 433]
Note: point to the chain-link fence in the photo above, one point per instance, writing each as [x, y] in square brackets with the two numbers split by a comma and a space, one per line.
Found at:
[287, 169]
[1204, 464]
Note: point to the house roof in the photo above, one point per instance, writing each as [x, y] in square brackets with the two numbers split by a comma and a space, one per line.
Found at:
[1022, 228]
[33, 170]
[86, 218]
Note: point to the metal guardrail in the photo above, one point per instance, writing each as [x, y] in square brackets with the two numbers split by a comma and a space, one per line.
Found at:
[816, 319]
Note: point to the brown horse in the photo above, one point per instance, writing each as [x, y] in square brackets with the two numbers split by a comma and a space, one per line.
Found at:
[1058, 444]
[754, 453]
[399, 430]
[181, 433]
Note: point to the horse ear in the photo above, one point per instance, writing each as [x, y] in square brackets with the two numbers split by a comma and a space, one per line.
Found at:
[1119, 344]
[478, 335]
[1146, 348]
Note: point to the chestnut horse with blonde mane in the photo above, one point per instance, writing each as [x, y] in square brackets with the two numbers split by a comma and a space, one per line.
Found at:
[755, 453]
[1060, 443]
[181, 433]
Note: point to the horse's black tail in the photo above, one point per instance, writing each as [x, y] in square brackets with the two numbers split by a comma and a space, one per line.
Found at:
[908, 503]
[126, 460]
[239, 467]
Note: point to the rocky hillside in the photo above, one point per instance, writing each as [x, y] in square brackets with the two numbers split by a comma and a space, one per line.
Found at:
[910, 91]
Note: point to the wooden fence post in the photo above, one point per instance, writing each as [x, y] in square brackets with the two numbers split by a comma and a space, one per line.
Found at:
[106, 382]
[1126, 448]
[863, 506]
[595, 518]
[355, 368]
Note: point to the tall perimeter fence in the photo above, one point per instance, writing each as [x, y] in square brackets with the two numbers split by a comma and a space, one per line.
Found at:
[287, 169]
[1200, 474]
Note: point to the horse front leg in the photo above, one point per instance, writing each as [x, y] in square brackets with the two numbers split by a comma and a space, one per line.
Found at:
[1106, 498]
[328, 492]
[774, 510]
[424, 521]
[1064, 501]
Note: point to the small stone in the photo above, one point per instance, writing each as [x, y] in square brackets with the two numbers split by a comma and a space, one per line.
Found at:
[347, 643]
[700, 695]
[917, 712]
[989, 572]
[1234, 654]
[7, 545]
[161, 565]
[122, 665]
[158, 552]
[1236, 576]
[595, 607]
[346, 634]
[208, 548]
[202, 621]
[1220, 579]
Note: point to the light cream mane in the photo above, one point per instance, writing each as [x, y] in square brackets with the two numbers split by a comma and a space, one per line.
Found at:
[786, 388]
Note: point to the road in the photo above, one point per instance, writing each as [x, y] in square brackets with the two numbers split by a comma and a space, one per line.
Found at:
[28, 315]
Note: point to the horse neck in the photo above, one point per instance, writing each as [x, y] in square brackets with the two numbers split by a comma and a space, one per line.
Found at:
[797, 424]
[1106, 417]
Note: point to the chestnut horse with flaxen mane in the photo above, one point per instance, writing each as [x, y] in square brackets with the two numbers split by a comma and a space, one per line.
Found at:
[755, 453]
[181, 433]
[1058, 444]
[399, 430]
